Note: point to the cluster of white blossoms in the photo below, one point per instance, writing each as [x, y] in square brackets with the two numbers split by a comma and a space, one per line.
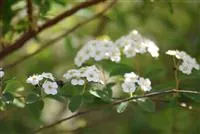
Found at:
[188, 62]
[78, 76]
[130, 44]
[98, 50]
[1, 73]
[134, 43]
[132, 81]
[47, 80]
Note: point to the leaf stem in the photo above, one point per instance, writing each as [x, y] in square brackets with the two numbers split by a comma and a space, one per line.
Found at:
[176, 73]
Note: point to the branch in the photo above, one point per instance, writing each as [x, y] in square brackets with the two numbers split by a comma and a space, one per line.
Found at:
[165, 92]
[29, 5]
[32, 33]
[51, 42]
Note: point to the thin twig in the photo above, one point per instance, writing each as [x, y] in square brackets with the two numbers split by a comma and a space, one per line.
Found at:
[30, 13]
[51, 42]
[32, 33]
[176, 73]
[165, 92]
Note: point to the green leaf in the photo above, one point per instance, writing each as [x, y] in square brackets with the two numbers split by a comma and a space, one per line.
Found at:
[7, 97]
[194, 97]
[32, 97]
[105, 94]
[61, 2]
[57, 97]
[12, 85]
[35, 108]
[68, 90]
[94, 93]
[75, 103]
[122, 107]
[88, 98]
[147, 105]
[44, 5]
[170, 6]
[116, 68]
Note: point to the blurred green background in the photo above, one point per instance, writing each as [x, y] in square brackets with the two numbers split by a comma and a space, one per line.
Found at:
[171, 24]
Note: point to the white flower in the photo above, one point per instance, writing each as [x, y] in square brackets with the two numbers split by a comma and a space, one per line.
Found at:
[145, 84]
[171, 52]
[89, 73]
[34, 80]
[92, 74]
[152, 48]
[129, 51]
[131, 77]
[183, 104]
[188, 63]
[98, 50]
[77, 82]
[132, 81]
[50, 87]
[129, 87]
[48, 76]
[134, 43]
[1, 73]
[185, 68]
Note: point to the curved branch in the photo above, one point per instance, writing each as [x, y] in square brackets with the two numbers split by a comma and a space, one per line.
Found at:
[165, 92]
[51, 42]
[32, 33]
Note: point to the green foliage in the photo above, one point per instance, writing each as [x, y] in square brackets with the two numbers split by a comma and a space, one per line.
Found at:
[148, 105]
[7, 97]
[75, 103]
[122, 107]
[12, 85]
[32, 98]
[171, 25]
[193, 97]
[35, 108]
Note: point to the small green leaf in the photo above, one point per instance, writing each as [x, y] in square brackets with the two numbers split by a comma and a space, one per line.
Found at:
[68, 90]
[12, 85]
[93, 92]
[147, 105]
[116, 68]
[7, 97]
[105, 94]
[57, 97]
[122, 107]
[32, 97]
[88, 98]
[35, 108]
[170, 6]
[194, 97]
[75, 103]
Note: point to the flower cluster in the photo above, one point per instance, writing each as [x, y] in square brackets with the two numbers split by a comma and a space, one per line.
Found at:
[132, 81]
[131, 44]
[1, 73]
[98, 50]
[134, 43]
[188, 62]
[47, 80]
[78, 76]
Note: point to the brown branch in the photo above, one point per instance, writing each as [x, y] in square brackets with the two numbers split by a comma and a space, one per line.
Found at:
[165, 92]
[101, 26]
[51, 42]
[29, 6]
[31, 33]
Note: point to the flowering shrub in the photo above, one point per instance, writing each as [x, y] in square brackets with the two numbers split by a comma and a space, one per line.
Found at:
[188, 63]
[95, 81]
